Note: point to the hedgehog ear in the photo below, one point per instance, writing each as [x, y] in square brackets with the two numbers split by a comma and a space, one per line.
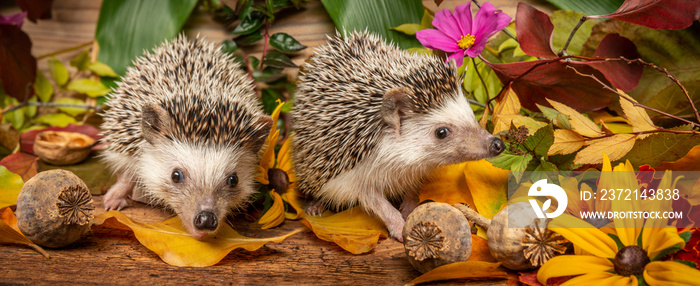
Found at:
[395, 103]
[154, 123]
[257, 139]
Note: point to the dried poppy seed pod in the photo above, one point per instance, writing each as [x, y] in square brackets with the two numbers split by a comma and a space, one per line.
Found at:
[436, 234]
[54, 208]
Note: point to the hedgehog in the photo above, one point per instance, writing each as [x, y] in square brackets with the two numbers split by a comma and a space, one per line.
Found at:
[371, 121]
[184, 129]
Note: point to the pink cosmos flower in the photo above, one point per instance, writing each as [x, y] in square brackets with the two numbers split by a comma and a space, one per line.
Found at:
[14, 19]
[459, 34]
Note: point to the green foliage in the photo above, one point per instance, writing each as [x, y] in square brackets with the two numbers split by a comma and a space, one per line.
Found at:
[377, 17]
[42, 87]
[661, 147]
[59, 72]
[564, 22]
[81, 61]
[88, 86]
[126, 28]
[284, 43]
[588, 7]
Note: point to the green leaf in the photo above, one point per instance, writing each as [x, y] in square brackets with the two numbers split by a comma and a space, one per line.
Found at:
[686, 235]
[254, 62]
[617, 240]
[32, 109]
[376, 17]
[229, 47]
[661, 147]
[251, 23]
[408, 29]
[269, 99]
[278, 60]
[81, 61]
[689, 263]
[268, 74]
[72, 111]
[557, 118]
[10, 185]
[125, 28]
[473, 84]
[249, 40]
[588, 7]
[88, 86]
[427, 20]
[674, 50]
[564, 22]
[667, 251]
[16, 117]
[42, 87]
[102, 69]
[285, 43]
[540, 141]
[55, 119]
[58, 71]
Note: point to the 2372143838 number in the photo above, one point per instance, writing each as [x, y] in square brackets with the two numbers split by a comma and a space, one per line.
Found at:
[644, 194]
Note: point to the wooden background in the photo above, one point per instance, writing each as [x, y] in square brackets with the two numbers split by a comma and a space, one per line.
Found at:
[106, 256]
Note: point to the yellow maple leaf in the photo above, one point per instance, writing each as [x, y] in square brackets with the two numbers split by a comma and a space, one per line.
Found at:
[637, 116]
[566, 142]
[579, 123]
[616, 146]
[447, 185]
[175, 246]
[354, 230]
[9, 232]
[462, 270]
[504, 111]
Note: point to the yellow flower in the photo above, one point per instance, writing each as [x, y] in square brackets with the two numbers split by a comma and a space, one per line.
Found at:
[278, 175]
[603, 260]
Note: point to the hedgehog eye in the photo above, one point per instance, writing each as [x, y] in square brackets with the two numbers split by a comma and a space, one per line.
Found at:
[232, 180]
[442, 132]
[177, 176]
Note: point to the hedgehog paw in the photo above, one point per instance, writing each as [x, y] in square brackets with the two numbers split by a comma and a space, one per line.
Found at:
[315, 208]
[114, 203]
[116, 197]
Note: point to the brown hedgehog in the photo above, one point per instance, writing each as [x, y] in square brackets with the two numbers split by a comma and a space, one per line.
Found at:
[184, 128]
[371, 121]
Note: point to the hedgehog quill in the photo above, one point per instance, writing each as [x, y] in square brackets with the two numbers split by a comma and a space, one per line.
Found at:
[184, 128]
[371, 121]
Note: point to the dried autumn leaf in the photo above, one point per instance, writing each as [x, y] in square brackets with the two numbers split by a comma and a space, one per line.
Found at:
[480, 250]
[636, 115]
[534, 31]
[689, 162]
[579, 123]
[615, 146]
[462, 270]
[10, 185]
[9, 233]
[22, 164]
[566, 142]
[657, 14]
[447, 185]
[9, 137]
[508, 107]
[354, 230]
[176, 246]
[488, 186]
[17, 65]
[36, 9]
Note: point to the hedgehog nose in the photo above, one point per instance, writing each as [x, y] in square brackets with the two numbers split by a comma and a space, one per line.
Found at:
[205, 220]
[497, 146]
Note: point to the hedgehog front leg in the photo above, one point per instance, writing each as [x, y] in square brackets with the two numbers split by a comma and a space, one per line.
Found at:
[382, 208]
[116, 197]
[410, 201]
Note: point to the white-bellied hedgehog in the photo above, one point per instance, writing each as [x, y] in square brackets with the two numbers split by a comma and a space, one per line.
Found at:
[371, 121]
[184, 128]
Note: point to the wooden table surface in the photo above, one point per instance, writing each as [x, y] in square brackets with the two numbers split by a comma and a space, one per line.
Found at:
[107, 256]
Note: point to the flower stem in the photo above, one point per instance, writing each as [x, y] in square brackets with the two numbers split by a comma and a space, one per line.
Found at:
[473, 216]
[486, 90]
[65, 50]
[266, 39]
[571, 36]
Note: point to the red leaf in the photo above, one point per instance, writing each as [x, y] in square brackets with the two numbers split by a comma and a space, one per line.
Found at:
[17, 65]
[534, 31]
[530, 278]
[36, 9]
[622, 75]
[691, 251]
[27, 138]
[552, 79]
[657, 14]
[21, 164]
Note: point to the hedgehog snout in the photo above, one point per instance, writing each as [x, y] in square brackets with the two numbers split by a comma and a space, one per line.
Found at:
[496, 147]
[206, 220]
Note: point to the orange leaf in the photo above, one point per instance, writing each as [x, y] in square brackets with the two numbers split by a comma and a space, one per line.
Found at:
[689, 162]
[480, 250]
[503, 114]
[354, 230]
[447, 185]
[10, 185]
[566, 142]
[462, 270]
[22, 164]
[615, 146]
[176, 246]
[9, 233]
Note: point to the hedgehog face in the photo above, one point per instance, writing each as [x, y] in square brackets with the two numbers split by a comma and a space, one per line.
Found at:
[449, 134]
[200, 183]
